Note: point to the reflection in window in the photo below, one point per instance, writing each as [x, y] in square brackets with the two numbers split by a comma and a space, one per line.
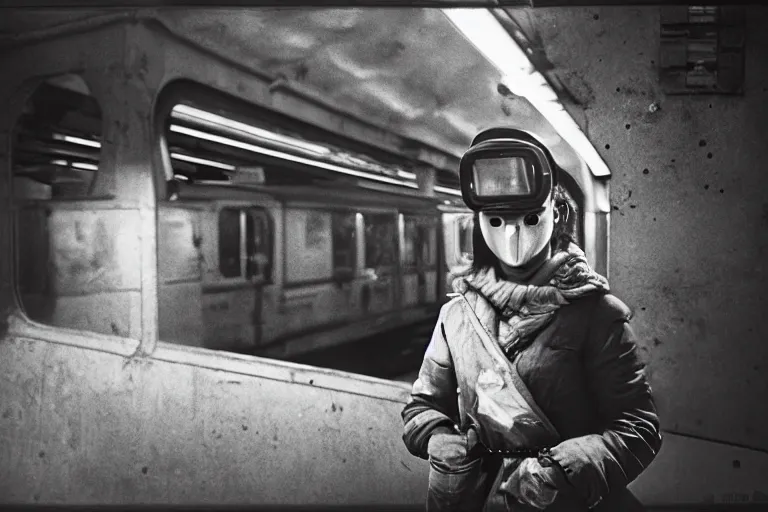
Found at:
[245, 243]
[229, 242]
[380, 240]
[465, 226]
[308, 252]
[258, 247]
[410, 242]
[428, 244]
[344, 243]
[76, 261]
[420, 242]
[57, 140]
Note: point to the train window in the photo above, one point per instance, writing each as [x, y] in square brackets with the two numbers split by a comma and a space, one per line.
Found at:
[244, 244]
[428, 238]
[258, 247]
[344, 244]
[308, 245]
[76, 254]
[57, 141]
[464, 226]
[178, 238]
[419, 242]
[410, 242]
[380, 240]
[229, 242]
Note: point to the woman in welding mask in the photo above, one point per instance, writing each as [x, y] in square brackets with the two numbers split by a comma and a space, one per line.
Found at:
[531, 395]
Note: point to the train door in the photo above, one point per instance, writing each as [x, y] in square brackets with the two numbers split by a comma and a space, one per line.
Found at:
[419, 260]
[232, 301]
[457, 242]
[377, 294]
[257, 262]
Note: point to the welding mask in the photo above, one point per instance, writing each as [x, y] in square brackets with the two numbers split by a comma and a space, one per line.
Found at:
[507, 176]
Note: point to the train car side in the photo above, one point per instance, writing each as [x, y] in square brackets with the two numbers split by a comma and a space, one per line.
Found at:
[285, 271]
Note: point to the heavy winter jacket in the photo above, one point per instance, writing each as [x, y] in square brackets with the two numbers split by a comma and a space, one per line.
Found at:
[582, 371]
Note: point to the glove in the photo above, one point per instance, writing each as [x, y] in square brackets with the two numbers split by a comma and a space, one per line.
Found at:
[533, 484]
[451, 449]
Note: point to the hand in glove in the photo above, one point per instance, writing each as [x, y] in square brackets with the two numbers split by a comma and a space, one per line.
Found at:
[533, 484]
[452, 449]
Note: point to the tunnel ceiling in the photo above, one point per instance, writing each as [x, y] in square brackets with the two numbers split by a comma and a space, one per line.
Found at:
[407, 70]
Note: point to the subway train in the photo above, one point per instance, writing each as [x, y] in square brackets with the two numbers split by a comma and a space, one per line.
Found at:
[256, 253]
[191, 201]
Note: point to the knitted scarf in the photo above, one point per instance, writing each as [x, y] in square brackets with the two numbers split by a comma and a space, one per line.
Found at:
[526, 309]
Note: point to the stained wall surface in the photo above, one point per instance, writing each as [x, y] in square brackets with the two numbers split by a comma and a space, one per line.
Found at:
[689, 224]
[88, 426]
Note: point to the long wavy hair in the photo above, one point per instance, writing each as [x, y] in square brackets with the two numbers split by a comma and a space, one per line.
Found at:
[562, 236]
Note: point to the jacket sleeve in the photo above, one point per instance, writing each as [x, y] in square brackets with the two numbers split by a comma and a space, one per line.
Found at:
[432, 406]
[597, 464]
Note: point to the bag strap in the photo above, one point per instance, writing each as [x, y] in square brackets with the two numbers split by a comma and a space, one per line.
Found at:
[494, 350]
[490, 345]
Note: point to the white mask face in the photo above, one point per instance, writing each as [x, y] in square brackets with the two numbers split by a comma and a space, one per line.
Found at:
[512, 240]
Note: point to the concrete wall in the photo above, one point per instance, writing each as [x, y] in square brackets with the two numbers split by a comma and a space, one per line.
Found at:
[688, 228]
[83, 422]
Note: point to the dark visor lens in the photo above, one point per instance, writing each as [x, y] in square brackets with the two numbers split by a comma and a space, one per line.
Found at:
[505, 176]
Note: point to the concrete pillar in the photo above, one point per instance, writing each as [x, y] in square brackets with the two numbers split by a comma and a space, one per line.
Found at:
[426, 178]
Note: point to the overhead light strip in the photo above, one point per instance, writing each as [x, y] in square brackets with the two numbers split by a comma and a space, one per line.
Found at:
[84, 166]
[446, 190]
[202, 161]
[485, 32]
[185, 111]
[76, 140]
[286, 156]
[75, 165]
[207, 120]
